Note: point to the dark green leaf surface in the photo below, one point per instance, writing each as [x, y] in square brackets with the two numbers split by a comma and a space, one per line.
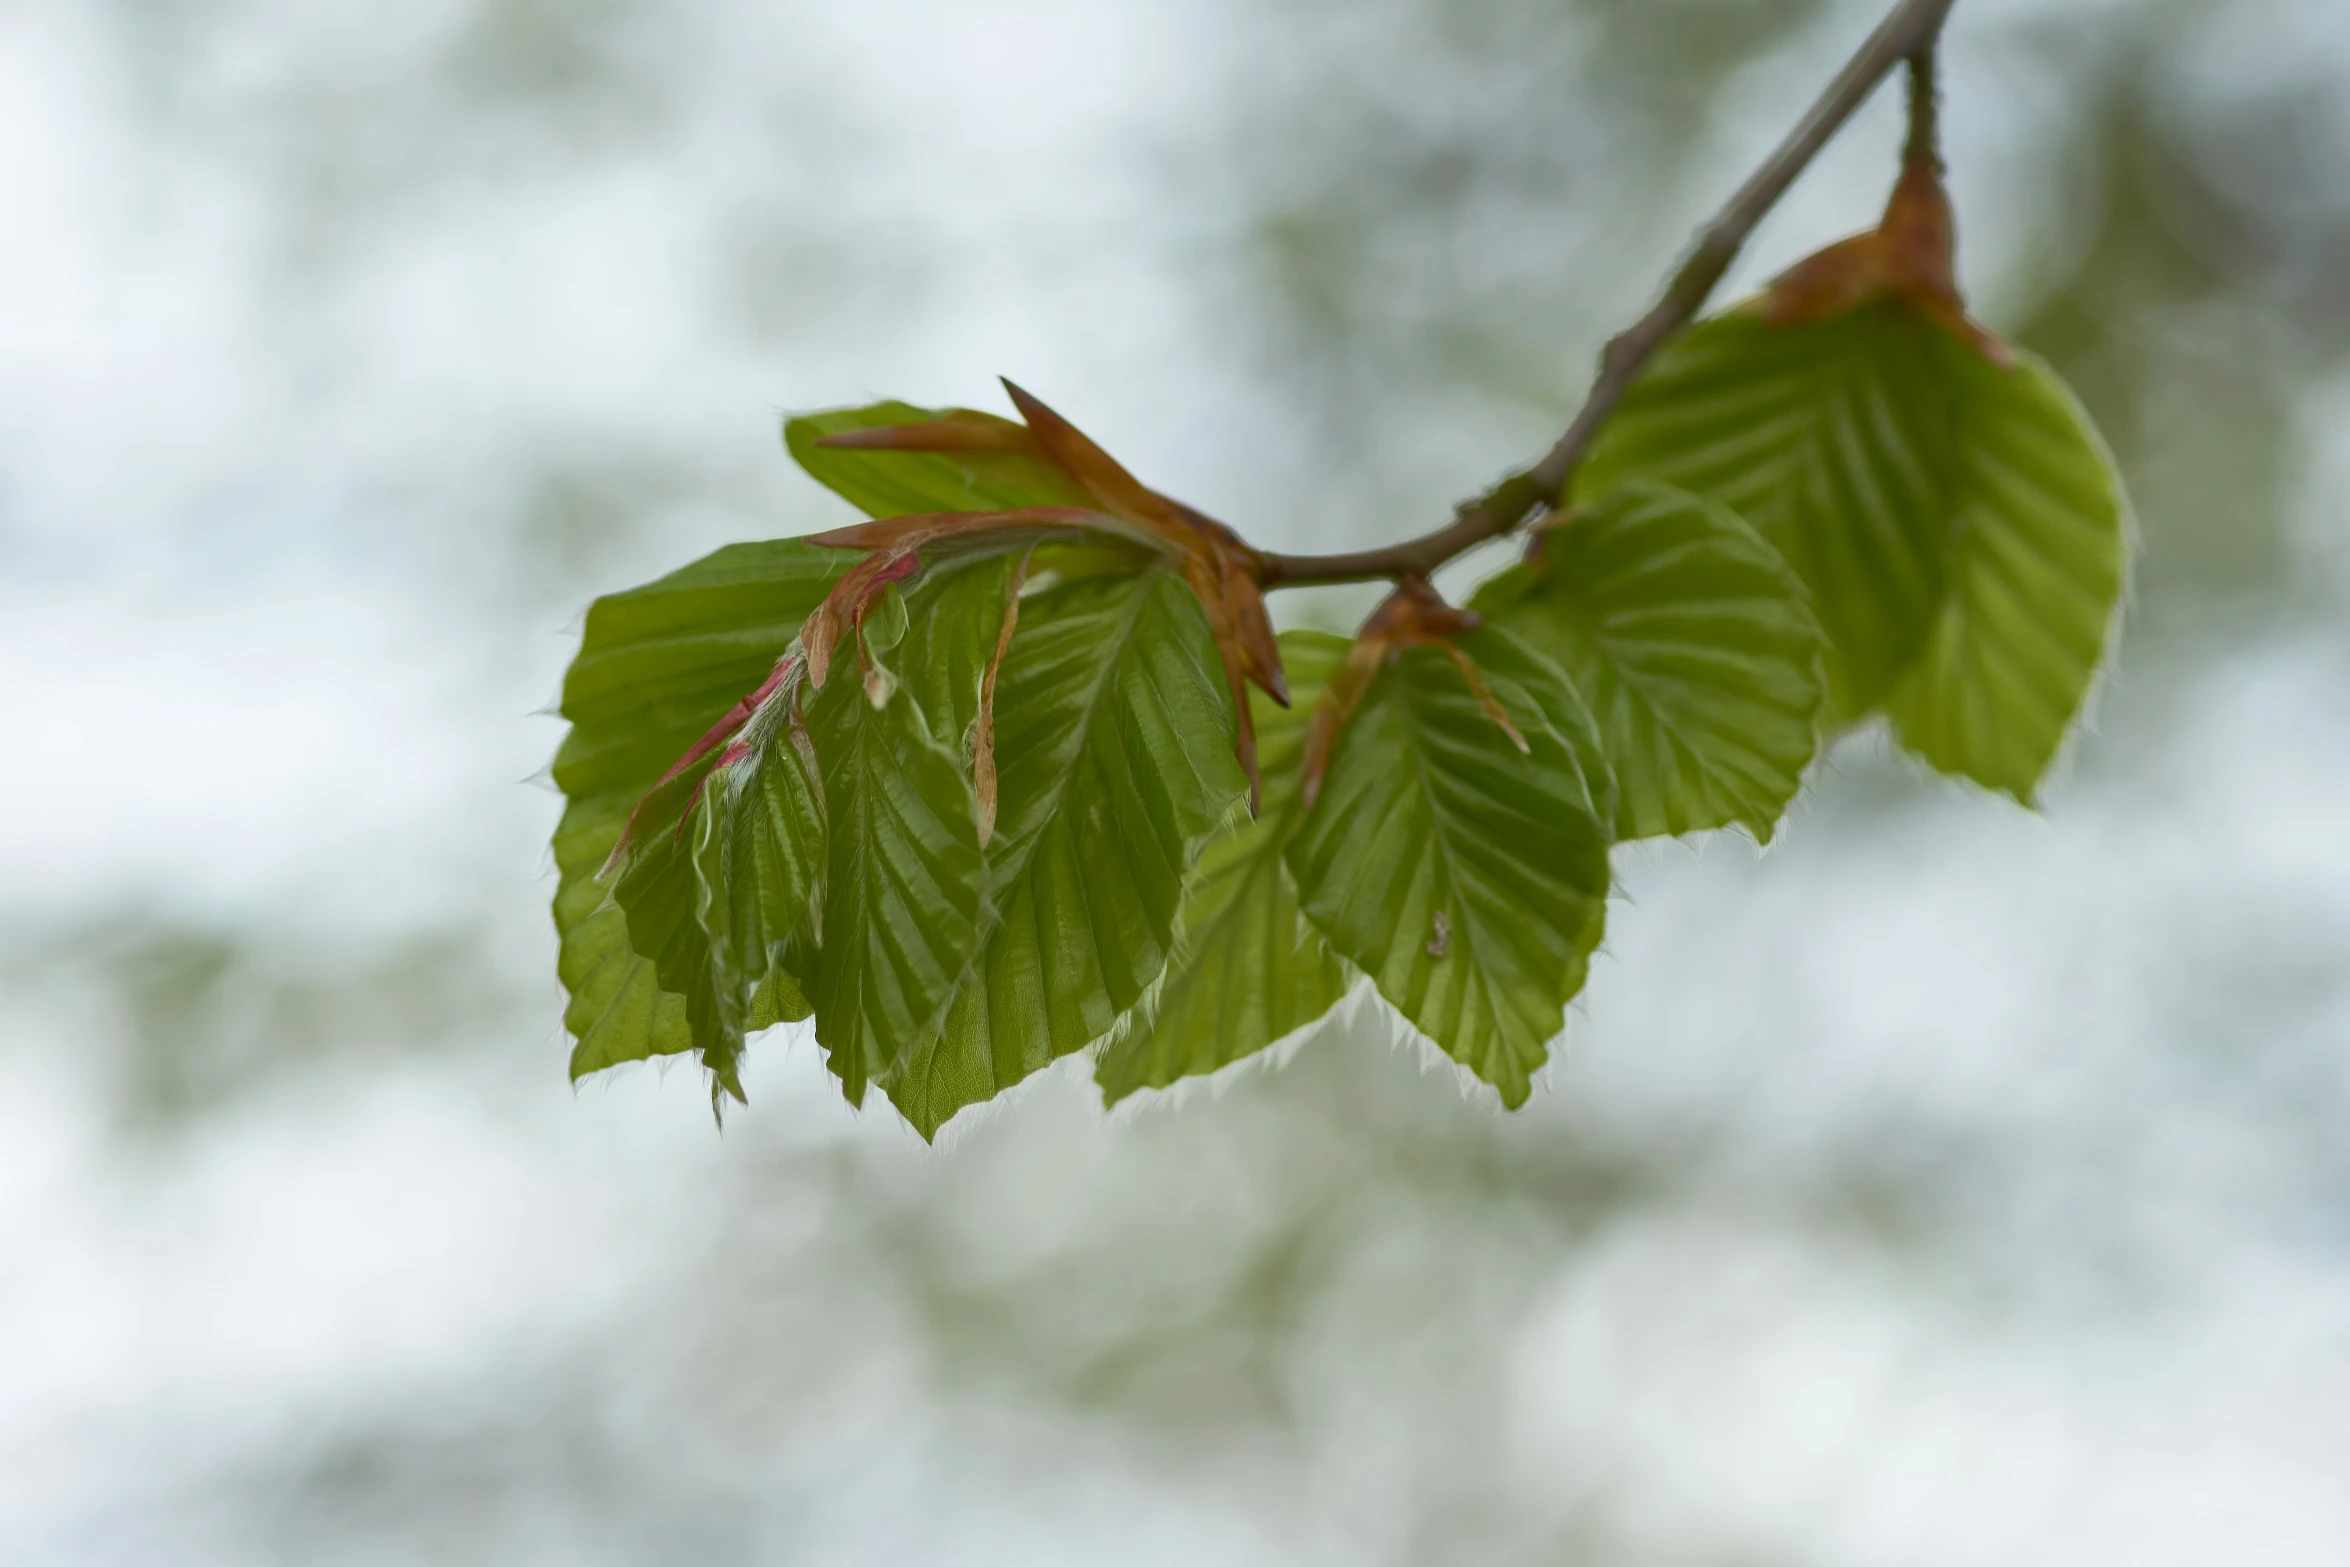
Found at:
[1691, 641]
[1838, 441]
[2036, 577]
[658, 665]
[1248, 968]
[904, 876]
[1467, 879]
[898, 484]
[1113, 745]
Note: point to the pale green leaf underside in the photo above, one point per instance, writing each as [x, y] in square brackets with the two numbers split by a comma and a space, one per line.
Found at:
[1114, 753]
[1837, 441]
[657, 667]
[898, 484]
[1469, 881]
[2036, 575]
[1958, 523]
[1249, 969]
[1693, 645]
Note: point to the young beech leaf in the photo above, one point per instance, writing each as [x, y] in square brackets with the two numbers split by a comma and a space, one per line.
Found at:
[1113, 751]
[1248, 968]
[1694, 646]
[1221, 568]
[903, 872]
[758, 854]
[1466, 876]
[964, 472]
[2036, 575]
[657, 666]
[1838, 441]
[1943, 498]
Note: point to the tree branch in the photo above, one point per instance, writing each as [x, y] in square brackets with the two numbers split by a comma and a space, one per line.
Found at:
[1908, 32]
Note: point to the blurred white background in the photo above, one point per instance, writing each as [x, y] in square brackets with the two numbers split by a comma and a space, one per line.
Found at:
[1948, 1185]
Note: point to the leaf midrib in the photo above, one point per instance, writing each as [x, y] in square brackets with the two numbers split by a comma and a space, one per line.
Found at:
[1016, 858]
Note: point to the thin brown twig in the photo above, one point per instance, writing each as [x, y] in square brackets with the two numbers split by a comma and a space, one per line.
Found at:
[1923, 147]
[1908, 32]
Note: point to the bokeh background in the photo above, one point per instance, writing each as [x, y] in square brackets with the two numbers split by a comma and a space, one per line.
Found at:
[1945, 1185]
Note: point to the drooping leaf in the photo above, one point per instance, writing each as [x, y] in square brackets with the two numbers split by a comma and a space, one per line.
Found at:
[1944, 499]
[1837, 441]
[759, 849]
[1248, 969]
[1693, 645]
[1468, 878]
[899, 481]
[657, 667]
[2036, 575]
[903, 876]
[1113, 751]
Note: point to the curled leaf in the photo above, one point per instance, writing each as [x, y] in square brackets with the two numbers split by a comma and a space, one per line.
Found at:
[729, 724]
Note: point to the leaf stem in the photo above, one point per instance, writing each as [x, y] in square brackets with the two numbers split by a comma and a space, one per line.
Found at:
[1923, 148]
[1907, 34]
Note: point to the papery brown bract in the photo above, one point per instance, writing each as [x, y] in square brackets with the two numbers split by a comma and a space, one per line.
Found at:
[1911, 256]
[1414, 615]
[1218, 565]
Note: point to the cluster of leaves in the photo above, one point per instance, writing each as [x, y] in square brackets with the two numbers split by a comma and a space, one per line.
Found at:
[1079, 795]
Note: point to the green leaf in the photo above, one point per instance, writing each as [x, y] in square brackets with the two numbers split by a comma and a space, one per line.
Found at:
[2036, 578]
[659, 892]
[1693, 645]
[1248, 968]
[617, 1010]
[898, 484]
[1957, 521]
[904, 875]
[1113, 746]
[657, 666]
[1838, 441]
[758, 861]
[1467, 879]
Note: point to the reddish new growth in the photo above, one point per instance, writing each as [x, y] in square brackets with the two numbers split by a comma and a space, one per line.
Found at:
[719, 733]
[1412, 616]
[1223, 570]
[1911, 257]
